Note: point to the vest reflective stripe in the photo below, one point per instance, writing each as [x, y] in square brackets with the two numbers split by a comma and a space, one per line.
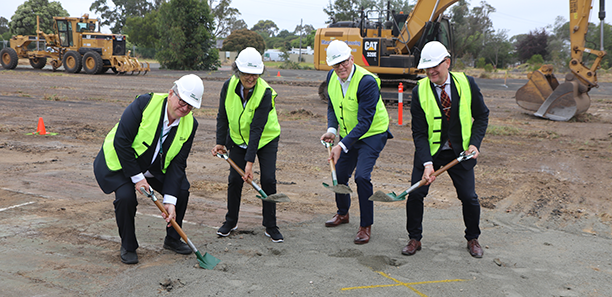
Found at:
[433, 115]
[240, 117]
[151, 116]
[346, 107]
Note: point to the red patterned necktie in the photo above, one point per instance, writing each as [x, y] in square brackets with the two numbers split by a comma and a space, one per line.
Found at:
[446, 103]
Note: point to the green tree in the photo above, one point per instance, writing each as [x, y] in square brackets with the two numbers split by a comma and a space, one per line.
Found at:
[243, 38]
[347, 10]
[226, 18]
[497, 49]
[23, 22]
[116, 17]
[186, 42]
[471, 26]
[3, 25]
[143, 33]
[268, 27]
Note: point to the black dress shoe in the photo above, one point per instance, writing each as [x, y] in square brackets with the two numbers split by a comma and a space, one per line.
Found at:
[177, 246]
[128, 257]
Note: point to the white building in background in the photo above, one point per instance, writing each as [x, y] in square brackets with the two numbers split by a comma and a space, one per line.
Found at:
[305, 51]
[272, 55]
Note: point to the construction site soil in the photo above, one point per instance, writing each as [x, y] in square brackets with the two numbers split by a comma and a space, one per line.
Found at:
[545, 189]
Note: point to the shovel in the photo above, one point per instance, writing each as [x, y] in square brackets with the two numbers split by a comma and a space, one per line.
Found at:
[207, 261]
[274, 198]
[336, 188]
[381, 196]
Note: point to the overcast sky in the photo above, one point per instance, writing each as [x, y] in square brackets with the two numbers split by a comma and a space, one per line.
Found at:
[517, 16]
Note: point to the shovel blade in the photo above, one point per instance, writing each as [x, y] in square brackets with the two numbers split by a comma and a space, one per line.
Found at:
[207, 261]
[339, 189]
[382, 197]
[275, 198]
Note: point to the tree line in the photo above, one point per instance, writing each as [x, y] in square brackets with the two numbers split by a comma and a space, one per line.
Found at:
[182, 34]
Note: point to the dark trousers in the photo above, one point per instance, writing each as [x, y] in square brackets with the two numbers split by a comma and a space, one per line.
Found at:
[125, 211]
[361, 158]
[463, 180]
[267, 164]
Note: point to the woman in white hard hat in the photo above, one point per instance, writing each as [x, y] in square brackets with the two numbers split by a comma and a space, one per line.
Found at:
[247, 126]
[149, 148]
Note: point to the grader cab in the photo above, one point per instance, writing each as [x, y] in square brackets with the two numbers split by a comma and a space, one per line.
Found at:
[77, 46]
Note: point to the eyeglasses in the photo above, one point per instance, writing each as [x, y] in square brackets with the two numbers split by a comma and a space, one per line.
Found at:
[344, 64]
[249, 75]
[183, 103]
[440, 63]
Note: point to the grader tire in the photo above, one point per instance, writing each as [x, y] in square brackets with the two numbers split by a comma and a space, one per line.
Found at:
[8, 58]
[72, 62]
[38, 63]
[92, 63]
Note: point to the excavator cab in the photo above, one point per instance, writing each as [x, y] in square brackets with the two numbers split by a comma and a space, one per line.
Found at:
[560, 102]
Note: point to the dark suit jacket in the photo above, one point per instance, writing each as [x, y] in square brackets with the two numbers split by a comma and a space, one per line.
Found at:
[175, 178]
[450, 129]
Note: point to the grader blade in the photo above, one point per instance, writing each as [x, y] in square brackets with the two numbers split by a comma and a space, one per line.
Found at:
[541, 84]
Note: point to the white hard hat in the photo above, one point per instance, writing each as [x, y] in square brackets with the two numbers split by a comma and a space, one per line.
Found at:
[433, 53]
[337, 51]
[249, 61]
[190, 88]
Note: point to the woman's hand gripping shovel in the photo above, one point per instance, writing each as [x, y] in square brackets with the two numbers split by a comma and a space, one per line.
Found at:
[207, 261]
[274, 198]
[381, 196]
[335, 187]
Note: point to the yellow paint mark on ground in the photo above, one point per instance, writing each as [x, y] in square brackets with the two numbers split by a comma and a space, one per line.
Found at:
[407, 285]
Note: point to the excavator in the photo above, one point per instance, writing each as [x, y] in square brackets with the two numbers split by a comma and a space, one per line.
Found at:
[560, 102]
[388, 44]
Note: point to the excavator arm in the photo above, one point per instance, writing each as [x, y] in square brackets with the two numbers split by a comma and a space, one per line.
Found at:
[420, 20]
[560, 102]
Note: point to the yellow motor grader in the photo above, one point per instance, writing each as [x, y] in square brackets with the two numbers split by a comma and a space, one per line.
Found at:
[560, 102]
[76, 45]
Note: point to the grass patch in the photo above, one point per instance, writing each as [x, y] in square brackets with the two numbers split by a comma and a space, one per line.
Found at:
[496, 130]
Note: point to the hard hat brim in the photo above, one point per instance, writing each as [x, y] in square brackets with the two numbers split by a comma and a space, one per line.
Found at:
[430, 63]
[251, 70]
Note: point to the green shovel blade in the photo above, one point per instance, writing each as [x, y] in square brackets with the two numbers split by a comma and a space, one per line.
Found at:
[207, 261]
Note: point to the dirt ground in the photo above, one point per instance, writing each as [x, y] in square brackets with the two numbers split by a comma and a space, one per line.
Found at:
[544, 188]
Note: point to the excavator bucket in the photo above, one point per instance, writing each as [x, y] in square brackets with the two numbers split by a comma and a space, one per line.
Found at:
[541, 84]
[547, 99]
[569, 99]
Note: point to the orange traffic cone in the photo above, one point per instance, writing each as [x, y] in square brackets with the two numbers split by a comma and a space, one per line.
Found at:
[278, 74]
[40, 130]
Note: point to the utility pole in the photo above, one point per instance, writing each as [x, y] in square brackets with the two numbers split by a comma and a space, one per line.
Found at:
[300, 55]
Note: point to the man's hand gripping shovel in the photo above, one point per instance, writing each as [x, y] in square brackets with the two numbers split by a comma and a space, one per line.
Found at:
[381, 196]
[207, 261]
[274, 198]
[335, 187]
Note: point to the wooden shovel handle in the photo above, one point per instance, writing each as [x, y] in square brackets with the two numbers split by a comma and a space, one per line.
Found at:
[331, 161]
[172, 221]
[240, 171]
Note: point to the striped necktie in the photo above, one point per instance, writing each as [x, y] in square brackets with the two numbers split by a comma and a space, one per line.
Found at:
[445, 101]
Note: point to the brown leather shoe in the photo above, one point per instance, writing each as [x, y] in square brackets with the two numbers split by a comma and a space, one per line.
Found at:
[412, 247]
[474, 248]
[363, 236]
[337, 220]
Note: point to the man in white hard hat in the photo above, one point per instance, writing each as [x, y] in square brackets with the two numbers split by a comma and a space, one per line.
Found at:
[356, 112]
[247, 127]
[149, 148]
[449, 116]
